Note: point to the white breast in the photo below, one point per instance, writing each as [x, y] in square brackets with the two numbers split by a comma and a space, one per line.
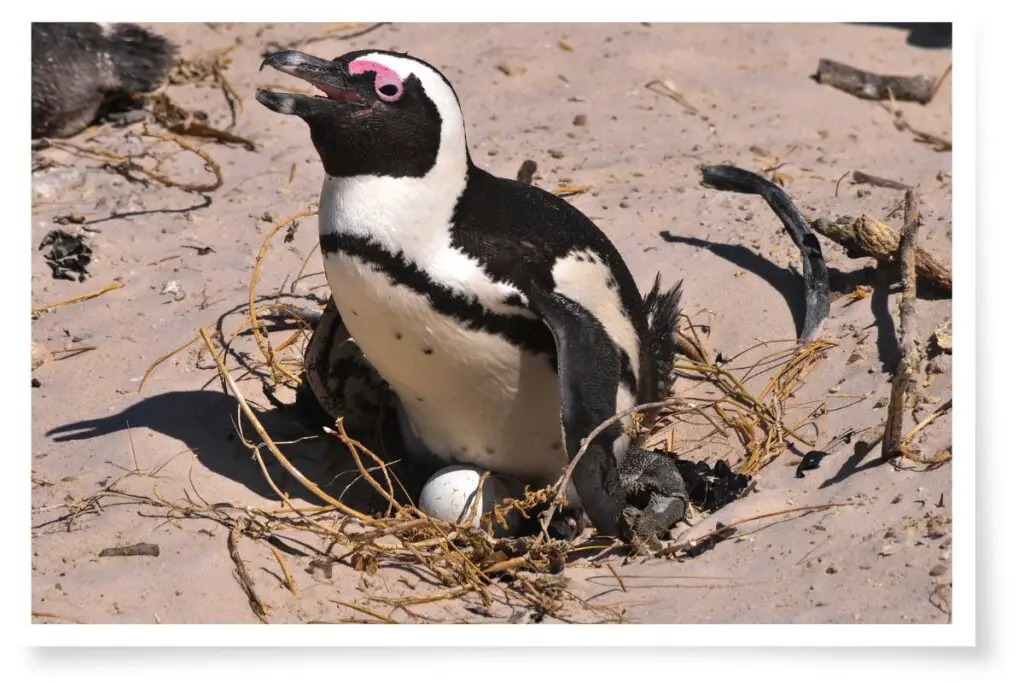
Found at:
[468, 396]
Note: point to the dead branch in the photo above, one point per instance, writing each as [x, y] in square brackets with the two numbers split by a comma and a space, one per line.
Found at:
[867, 179]
[865, 236]
[910, 357]
[869, 86]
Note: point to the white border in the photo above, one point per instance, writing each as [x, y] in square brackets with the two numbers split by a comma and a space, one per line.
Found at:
[961, 632]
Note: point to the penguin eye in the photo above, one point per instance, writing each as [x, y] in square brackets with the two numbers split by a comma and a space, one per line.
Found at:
[388, 88]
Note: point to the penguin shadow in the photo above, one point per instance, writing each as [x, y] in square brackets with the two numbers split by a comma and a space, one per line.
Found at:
[788, 283]
[204, 422]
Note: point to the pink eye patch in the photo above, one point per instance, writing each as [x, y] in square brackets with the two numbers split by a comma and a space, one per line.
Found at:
[387, 82]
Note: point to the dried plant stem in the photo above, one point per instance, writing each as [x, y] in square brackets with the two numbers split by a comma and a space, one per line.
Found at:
[211, 165]
[259, 608]
[364, 610]
[82, 297]
[164, 357]
[941, 410]
[289, 580]
[354, 447]
[261, 341]
[904, 381]
[244, 405]
[302, 268]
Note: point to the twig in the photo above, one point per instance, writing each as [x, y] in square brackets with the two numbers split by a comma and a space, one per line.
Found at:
[937, 142]
[164, 357]
[871, 86]
[261, 341]
[364, 610]
[259, 608]
[244, 405]
[865, 236]
[838, 182]
[909, 353]
[146, 549]
[659, 87]
[864, 178]
[83, 297]
[289, 580]
[571, 190]
[72, 351]
[152, 173]
[302, 268]
[941, 410]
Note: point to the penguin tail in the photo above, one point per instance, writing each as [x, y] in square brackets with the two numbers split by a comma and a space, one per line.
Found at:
[663, 314]
[141, 58]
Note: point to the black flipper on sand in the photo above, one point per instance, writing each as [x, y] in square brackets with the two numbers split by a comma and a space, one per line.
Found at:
[816, 290]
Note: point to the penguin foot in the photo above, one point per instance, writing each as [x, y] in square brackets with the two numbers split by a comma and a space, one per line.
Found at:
[656, 495]
[565, 525]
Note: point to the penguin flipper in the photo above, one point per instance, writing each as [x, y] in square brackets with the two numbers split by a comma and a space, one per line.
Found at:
[588, 378]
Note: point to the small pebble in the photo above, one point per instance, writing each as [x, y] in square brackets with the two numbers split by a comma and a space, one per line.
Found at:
[556, 153]
[580, 120]
[939, 569]
[40, 355]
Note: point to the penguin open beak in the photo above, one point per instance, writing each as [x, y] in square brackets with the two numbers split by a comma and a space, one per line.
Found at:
[331, 78]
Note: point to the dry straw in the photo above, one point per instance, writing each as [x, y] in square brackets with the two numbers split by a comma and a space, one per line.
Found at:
[464, 562]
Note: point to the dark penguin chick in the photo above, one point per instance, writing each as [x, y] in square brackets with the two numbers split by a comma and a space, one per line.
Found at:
[81, 70]
[505, 322]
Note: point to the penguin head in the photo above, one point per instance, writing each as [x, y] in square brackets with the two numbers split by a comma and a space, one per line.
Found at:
[381, 113]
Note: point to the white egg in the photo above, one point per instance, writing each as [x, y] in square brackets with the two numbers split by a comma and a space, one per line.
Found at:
[449, 495]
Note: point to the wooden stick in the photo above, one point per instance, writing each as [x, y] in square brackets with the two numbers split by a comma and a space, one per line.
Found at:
[259, 607]
[869, 86]
[84, 297]
[865, 236]
[867, 179]
[910, 356]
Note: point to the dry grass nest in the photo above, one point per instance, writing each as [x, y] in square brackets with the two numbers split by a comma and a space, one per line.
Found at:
[728, 421]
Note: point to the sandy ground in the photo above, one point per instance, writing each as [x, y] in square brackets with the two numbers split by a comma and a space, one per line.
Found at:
[884, 561]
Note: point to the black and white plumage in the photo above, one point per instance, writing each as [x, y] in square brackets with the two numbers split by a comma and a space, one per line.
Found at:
[80, 69]
[504, 321]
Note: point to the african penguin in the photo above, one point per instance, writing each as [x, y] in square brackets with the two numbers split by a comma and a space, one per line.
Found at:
[81, 69]
[504, 321]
